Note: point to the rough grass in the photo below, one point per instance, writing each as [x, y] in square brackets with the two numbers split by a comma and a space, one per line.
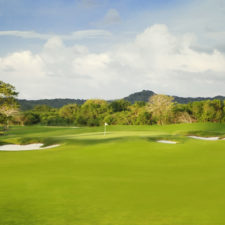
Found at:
[123, 178]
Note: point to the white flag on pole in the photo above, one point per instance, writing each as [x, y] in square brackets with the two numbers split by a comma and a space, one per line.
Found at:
[105, 128]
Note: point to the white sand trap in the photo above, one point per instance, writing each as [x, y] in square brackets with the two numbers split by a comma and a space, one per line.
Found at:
[37, 146]
[167, 142]
[205, 138]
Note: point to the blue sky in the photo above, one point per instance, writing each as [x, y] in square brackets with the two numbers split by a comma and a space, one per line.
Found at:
[64, 17]
[57, 16]
[73, 48]
[67, 15]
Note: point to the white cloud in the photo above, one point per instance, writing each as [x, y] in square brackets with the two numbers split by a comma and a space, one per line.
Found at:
[204, 18]
[22, 63]
[25, 34]
[156, 59]
[111, 17]
[157, 50]
[77, 35]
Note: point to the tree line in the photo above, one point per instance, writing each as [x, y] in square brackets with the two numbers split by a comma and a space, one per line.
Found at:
[160, 109]
[143, 95]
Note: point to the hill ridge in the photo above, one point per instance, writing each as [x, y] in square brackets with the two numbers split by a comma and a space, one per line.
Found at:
[143, 95]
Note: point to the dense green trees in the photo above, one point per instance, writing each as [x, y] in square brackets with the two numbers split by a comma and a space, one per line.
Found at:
[69, 112]
[119, 105]
[93, 112]
[160, 110]
[44, 115]
[8, 103]
[208, 111]
[30, 118]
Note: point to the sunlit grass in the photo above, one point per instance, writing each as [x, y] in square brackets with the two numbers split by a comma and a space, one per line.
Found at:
[122, 178]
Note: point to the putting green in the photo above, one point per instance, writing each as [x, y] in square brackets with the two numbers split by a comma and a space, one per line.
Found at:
[123, 178]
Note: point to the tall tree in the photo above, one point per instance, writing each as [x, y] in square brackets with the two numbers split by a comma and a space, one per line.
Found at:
[161, 108]
[92, 112]
[8, 103]
[69, 112]
[119, 105]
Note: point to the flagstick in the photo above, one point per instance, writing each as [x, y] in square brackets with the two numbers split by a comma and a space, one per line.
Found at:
[105, 129]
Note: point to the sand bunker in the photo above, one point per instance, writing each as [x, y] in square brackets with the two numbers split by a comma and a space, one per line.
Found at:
[37, 146]
[205, 138]
[167, 142]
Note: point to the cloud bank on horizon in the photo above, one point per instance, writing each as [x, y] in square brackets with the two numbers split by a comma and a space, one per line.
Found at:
[105, 49]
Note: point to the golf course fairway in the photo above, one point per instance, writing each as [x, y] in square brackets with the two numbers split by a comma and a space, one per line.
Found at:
[124, 177]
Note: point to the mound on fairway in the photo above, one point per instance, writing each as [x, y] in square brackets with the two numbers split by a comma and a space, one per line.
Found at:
[122, 178]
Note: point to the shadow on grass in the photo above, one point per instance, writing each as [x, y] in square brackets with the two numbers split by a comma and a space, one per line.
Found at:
[93, 141]
[52, 141]
[45, 141]
[176, 138]
[4, 143]
[201, 133]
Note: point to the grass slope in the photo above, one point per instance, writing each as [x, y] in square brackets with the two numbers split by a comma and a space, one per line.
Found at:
[123, 178]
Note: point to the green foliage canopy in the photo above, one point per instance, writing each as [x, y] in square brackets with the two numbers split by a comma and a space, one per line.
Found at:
[8, 103]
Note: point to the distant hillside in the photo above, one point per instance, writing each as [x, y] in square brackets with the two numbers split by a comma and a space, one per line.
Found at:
[138, 96]
[197, 99]
[55, 103]
[146, 94]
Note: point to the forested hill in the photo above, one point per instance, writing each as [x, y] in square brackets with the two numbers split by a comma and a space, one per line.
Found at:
[138, 96]
[55, 103]
[146, 94]
[197, 99]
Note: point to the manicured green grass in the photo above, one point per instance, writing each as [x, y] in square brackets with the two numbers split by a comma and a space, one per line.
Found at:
[123, 178]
